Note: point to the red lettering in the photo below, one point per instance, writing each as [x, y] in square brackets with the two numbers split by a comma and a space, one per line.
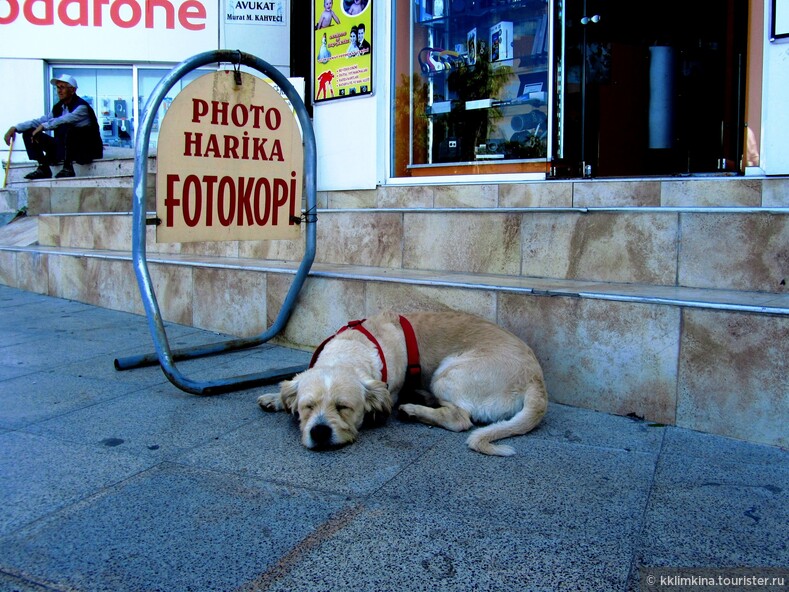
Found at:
[82, 13]
[273, 119]
[226, 184]
[231, 147]
[13, 12]
[292, 198]
[169, 13]
[219, 113]
[191, 220]
[259, 154]
[199, 109]
[170, 201]
[239, 115]
[192, 141]
[115, 13]
[97, 4]
[126, 14]
[262, 220]
[210, 180]
[212, 149]
[280, 197]
[244, 201]
[276, 151]
[48, 18]
[192, 10]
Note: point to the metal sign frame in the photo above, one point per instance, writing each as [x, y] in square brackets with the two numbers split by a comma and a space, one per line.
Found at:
[164, 355]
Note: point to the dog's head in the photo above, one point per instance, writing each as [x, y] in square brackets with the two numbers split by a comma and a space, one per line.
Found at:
[332, 404]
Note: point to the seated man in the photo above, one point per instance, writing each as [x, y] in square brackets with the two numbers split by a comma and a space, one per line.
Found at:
[77, 135]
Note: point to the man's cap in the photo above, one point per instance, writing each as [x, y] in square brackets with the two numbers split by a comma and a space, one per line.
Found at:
[65, 78]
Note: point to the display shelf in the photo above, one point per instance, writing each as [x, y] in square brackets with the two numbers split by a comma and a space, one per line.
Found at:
[484, 64]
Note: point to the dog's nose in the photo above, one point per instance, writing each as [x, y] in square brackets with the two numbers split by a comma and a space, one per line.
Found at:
[320, 434]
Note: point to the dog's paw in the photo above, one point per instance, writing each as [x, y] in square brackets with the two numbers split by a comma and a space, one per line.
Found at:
[272, 402]
[407, 413]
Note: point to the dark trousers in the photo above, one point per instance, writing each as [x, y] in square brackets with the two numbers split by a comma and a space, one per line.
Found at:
[66, 146]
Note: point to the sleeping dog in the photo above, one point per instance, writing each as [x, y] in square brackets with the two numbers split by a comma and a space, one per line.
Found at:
[463, 369]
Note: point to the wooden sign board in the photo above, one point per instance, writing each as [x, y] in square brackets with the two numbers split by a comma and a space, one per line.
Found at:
[230, 163]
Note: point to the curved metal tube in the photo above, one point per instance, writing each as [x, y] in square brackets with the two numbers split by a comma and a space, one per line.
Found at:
[164, 355]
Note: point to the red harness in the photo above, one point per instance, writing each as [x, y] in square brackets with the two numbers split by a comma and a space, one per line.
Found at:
[413, 370]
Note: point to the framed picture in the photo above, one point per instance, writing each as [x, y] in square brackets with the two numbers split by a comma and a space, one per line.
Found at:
[779, 20]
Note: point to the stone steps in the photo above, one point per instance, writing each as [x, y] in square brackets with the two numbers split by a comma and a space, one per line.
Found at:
[661, 299]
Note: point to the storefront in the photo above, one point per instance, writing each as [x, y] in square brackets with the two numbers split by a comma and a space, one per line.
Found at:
[451, 90]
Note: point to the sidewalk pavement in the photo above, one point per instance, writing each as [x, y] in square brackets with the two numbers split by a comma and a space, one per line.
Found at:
[119, 481]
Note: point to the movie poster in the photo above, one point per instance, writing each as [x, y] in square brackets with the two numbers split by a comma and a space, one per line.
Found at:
[343, 63]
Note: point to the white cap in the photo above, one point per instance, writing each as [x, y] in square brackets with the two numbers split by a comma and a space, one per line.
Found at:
[65, 78]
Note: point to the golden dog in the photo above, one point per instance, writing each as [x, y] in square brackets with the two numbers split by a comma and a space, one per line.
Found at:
[472, 371]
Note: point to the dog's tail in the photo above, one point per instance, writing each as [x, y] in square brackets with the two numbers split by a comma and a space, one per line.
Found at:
[535, 403]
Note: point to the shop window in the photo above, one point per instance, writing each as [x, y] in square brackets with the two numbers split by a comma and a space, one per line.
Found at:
[147, 79]
[472, 94]
[111, 93]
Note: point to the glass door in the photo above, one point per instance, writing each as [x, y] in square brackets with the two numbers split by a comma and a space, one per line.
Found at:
[660, 93]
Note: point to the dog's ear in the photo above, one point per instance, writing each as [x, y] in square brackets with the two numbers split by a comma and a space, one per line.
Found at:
[288, 389]
[377, 403]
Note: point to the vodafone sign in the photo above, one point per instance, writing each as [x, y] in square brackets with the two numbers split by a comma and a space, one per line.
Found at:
[160, 30]
[230, 163]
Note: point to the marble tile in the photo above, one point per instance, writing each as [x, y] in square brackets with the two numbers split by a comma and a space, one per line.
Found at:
[409, 298]
[775, 192]
[211, 248]
[323, 306]
[600, 193]
[229, 301]
[610, 356]
[711, 192]
[8, 274]
[360, 238]
[38, 200]
[113, 232]
[412, 196]
[733, 375]
[49, 230]
[78, 232]
[623, 247]
[466, 196]
[65, 200]
[281, 250]
[546, 194]
[112, 284]
[106, 199]
[466, 242]
[67, 277]
[32, 271]
[366, 198]
[735, 251]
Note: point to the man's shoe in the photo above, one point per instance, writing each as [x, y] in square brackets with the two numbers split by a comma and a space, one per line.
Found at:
[66, 171]
[42, 172]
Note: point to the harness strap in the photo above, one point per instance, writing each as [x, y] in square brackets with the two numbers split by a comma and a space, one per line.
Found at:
[413, 373]
[413, 370]
[357, 326]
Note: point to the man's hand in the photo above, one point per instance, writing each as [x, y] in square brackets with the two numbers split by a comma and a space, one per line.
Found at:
[9, 135]
[37, 131]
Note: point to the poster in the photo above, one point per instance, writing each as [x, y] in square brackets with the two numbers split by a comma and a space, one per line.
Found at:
[343, 53]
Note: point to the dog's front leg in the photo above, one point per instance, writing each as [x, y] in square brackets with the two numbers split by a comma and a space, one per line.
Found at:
[447, 416]
[271, 402]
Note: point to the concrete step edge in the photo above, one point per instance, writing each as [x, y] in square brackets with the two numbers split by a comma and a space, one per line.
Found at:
[706, 298]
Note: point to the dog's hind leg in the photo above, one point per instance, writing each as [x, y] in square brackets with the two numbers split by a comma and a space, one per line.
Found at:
[534, 407]
[447, 416]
